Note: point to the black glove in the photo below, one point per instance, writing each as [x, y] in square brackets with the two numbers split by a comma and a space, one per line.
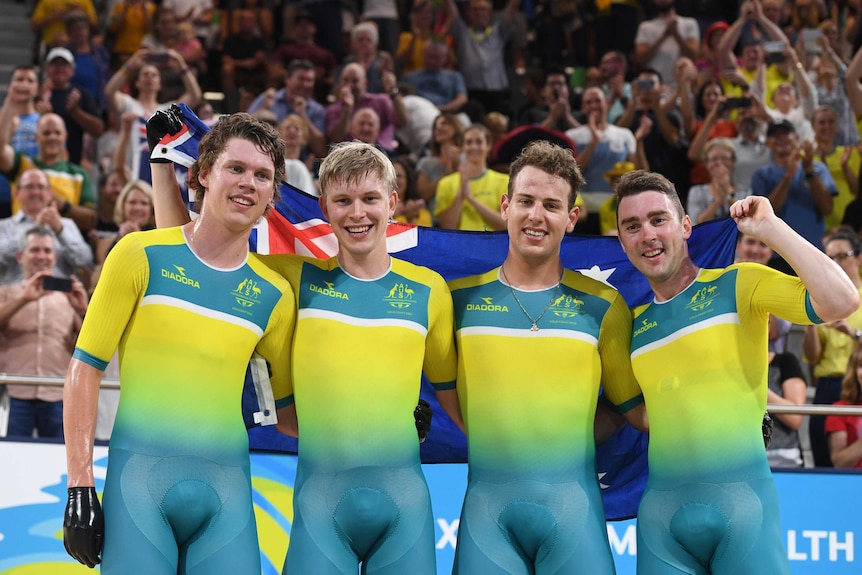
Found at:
[84, 526]
[766, 428]
[422, 414]
[161, 124]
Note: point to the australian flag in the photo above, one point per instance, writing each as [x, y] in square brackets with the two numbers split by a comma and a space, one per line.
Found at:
[297, 226]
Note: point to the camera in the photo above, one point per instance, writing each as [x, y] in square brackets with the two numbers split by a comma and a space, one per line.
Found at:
[645, 83]
[51, 283]
[735, 103]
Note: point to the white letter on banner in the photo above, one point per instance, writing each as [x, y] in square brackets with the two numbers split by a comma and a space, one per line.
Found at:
[792, 553]
[835, 546]
[815, 537]
[450, 533]
[628, 545]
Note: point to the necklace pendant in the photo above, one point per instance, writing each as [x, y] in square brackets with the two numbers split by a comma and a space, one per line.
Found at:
[534, 327]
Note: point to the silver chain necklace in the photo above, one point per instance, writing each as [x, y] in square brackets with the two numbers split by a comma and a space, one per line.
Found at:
[534, 322]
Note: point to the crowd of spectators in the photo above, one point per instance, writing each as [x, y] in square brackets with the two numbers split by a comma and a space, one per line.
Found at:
[724, 98]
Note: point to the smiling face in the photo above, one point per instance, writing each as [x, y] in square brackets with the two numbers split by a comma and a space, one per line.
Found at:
[24, 85]
[38, 255]
[239, 186]
[653, 235]
[138, 208]
[51, 137]
[476, 145]
[537, 215]
[358, 211]
[33, 192]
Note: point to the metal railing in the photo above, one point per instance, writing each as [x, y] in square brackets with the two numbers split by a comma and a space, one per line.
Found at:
[773, 409]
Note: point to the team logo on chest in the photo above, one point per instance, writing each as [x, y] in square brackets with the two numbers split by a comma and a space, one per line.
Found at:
[247, 293]
[566, 306]
[400, 296]
[702, 298]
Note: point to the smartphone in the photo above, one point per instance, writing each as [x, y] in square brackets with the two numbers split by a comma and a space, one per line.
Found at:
[645, 83]
[774, 47]
[556, 94]
[736, 102]
[51, 283]
[158, 58]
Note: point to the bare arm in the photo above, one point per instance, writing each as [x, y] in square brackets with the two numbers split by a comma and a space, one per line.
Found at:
[811, 346]
[7, 119]
[168, 204]
[794, 394]
[852, 85]
[80, 404]
[832, 294]
[844, 455]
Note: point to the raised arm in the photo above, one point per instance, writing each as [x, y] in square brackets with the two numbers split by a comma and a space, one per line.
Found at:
[8, 120]
[833, 296]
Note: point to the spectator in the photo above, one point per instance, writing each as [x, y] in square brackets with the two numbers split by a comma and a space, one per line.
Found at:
[741, 77]
[49, 18]
[425, 27]
[294, 132]
[303, 47]
[163, 34]
[853, 88]
[110, 186]
[830, 347]
[660, 42]
[711, 62]
[600, 145]
[712, 112]
[78, 108]
[297, 98]
[444, 88]
[480, 47]
[608, 208]
[199, 13]
[470, 198]
[788, 107]
[786, 387]
[556, 113]
[444, 157]
[843, 162]
[363, 51]
[411, 208]
[129, 24]
[243, 64]
[39, 208]
[133, 212]
[190, 48]
[70, 183]
[800, 189]
[351, 96]
[21, 97]
[142, 77]
[711, 201]
[92, 61]
[232, 24]
[618, 92]
[365, 127]
[845, 439]
[420, 113]
[383, 14]
[662, 142]
[38, 329]
[830, 90]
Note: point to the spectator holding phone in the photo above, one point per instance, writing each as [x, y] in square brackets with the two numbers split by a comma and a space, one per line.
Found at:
[38, 329]
[39, 208]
